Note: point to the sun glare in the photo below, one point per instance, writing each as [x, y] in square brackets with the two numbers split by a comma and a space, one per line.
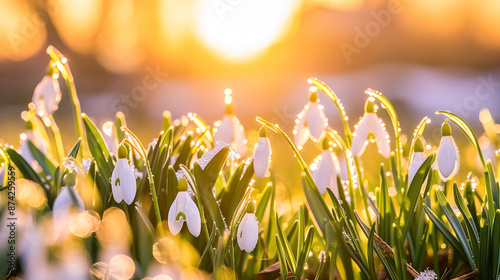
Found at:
[241, 30]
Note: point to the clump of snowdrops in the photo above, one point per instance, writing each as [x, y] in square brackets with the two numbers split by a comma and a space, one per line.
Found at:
[199, 202]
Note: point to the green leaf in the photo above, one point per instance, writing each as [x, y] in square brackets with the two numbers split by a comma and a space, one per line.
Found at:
[457, 228]
[23, 166]
[144, 237]
[468, 220]
[445, 231]
[399, 253]
[98, 149]
[76, 148]
[205, 179]
[485, 249]
[413, 193]
[495, 248]
[301, 262]
[47, 166]
[369, 251]
[282, 260]
[286, 246]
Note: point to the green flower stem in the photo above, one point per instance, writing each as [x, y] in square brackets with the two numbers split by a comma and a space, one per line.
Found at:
[62, 64]
[140, 149]
[202, 212]
[56, 134]
[395, 123]
[329, 92]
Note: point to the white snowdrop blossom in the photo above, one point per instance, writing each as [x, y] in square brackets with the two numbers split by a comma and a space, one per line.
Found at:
[370, 127]
[47, 96]
[448, 158]
[248, 230]
[36, 138]
[311, 121]
[427, 274]
[123, 183]
[262, 154]
[231, 131]
[67, 199]
[417, 160]
[325, 170]
[184, 209]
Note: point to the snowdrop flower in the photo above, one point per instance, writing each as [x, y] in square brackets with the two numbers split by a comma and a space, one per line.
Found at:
[184, 209]
[327, 168]
[448, 159]
[123, 181]
[248, 230]
[36, 138]
[311, 121]
[47, 95]
[68, 198]
[370, 127]
[230, 129]
[428, 274]
[262, 154]
[417, 159]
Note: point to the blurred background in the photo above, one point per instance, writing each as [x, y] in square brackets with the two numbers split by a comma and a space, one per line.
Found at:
[144, 57]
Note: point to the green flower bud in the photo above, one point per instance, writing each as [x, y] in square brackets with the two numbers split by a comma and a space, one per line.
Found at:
[370, 106]
[229, 109]
[419, 146]
[313, 96]
[446, 129]
[251, 207]
[326, 144]
[69, 179]
[183, 186]
[263, 132]
[122, 151]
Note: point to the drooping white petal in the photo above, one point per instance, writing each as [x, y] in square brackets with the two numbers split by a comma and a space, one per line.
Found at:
[46, 96]
[128, 183]
[176, 220]
[301, 131]
[64, 200]
[376, 127]
[316, 119]
[226, 130]
[116, 181]
[193, 219]
[457, 157]
[416, 161]
[359, 137]
[447, 158]
[326, 174]
[248, 232]
[262, 157]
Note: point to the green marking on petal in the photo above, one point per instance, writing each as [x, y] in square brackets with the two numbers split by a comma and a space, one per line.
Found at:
[117, 182]
[180, 214]
[371, 136]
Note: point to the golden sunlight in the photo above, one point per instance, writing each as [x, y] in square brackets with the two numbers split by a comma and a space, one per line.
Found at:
[241, 30]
